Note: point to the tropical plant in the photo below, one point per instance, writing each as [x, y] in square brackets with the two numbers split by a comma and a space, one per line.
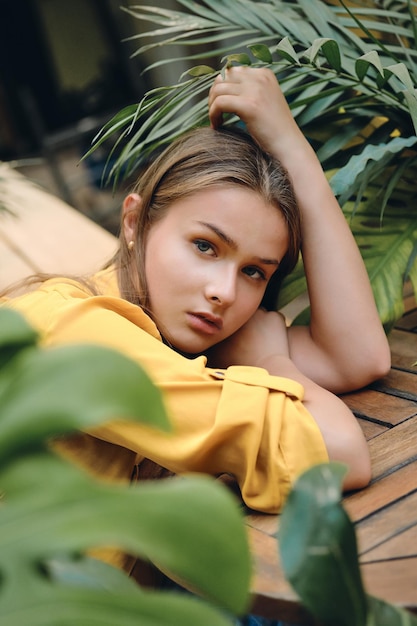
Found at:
[350, 76]
[52, 513]
[319, 555]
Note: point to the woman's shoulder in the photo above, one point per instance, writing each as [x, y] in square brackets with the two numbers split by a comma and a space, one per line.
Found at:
[70, 302]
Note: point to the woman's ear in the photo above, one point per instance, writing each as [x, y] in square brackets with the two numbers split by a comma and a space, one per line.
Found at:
[132, 205]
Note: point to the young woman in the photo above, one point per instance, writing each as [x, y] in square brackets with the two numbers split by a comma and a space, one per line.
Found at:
[207, 235]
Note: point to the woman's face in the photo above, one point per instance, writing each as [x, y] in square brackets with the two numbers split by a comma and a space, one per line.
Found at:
[207, 264]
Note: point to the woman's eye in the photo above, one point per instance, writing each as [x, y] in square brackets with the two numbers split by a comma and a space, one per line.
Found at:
[254, 272]
[203, 246]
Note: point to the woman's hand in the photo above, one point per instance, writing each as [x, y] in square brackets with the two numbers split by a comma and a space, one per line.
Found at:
[263, 336]
[255, 96]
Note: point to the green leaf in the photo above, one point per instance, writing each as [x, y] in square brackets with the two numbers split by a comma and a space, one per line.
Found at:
[53, 508]
[384, 225]
[386, 249]
[367, 60]
[261, 52]
[293, 285]
[383, 614]
[241, 58]
[411, 99]
[15, 335]
[412, 270]
[46, 605]
[200, 70]
[318, 548]
[400, 70]
[345, 177]
[60, 390]
[52, 513]
[286, 50]
[337, 141]
[88, 572]
[15, 331]
[330, 49]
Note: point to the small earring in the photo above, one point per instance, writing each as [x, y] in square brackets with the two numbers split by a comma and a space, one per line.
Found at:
[130, 245]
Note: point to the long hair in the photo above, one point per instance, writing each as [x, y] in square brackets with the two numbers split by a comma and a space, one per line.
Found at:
[200, 159]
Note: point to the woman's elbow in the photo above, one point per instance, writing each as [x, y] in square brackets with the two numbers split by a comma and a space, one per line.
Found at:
[359, 474]
[346, 444]
[378, 363]
[370, 366]
[355, 454]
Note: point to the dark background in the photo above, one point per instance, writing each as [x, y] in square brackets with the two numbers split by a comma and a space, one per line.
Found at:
[44, 41]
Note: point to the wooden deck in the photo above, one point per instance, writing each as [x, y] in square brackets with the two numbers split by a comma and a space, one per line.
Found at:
[42, 233]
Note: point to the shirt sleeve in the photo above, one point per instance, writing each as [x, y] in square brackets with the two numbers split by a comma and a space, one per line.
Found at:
[240, 421]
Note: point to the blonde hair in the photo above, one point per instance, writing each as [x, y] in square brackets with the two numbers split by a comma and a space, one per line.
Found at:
[200, 159]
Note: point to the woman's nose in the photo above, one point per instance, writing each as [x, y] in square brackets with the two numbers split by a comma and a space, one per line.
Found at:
[221, 288]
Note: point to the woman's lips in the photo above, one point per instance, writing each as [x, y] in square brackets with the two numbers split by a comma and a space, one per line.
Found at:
[205, 322]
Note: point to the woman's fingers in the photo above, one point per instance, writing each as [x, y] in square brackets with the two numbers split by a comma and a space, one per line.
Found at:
[224, 97]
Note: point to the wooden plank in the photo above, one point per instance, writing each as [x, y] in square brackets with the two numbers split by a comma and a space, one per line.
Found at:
[410, 301]
[408, 321]
[49, 234]
[12, 266]
[403, 545]
[394, 448]
[371, 429]
[380, 407]
[409, 305]
[269, 577]
[400, 383]
[386, 524]
[394, 581]
[382, 493]
[273, 596]
[403, 346]
[267, 524]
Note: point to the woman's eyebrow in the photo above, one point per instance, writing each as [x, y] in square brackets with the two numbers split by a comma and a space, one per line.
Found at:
[221, 234]
[232, 243]
[268, 261]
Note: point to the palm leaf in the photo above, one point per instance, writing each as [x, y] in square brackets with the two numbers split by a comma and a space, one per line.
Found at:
[344, 182]
[388, 247]
[322, 87]
[386, 251]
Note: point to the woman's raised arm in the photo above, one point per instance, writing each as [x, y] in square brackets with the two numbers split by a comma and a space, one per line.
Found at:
[345, 346]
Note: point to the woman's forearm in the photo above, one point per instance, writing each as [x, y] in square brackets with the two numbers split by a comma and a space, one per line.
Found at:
[345, 346]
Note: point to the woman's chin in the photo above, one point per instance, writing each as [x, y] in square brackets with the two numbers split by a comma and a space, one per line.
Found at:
[189, 349]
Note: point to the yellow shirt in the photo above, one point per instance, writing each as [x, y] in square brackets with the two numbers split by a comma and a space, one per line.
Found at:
[240, 421]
